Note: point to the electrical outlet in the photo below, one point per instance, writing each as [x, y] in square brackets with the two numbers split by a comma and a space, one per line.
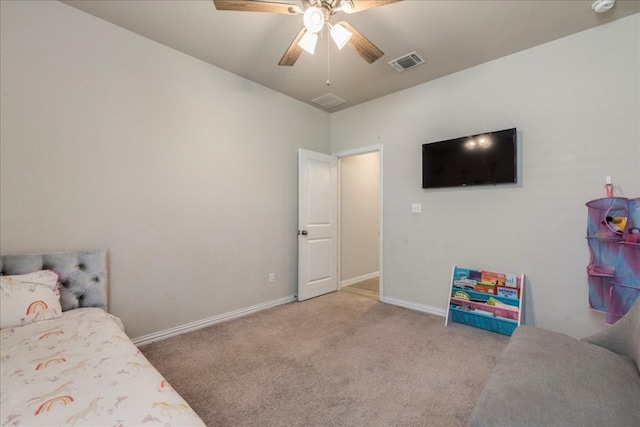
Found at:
[272, 277]
[416, 207]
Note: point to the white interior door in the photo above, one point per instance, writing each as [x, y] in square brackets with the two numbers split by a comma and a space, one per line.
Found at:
[317, 224]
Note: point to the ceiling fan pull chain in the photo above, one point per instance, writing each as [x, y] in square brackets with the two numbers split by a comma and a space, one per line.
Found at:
[328, 62]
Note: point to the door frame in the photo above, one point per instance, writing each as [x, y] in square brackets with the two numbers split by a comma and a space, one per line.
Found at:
[354, 152]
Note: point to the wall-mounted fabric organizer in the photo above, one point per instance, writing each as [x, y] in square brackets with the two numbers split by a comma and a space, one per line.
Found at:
[613, 234]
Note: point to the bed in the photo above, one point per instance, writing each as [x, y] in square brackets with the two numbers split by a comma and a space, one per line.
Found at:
[65, 361]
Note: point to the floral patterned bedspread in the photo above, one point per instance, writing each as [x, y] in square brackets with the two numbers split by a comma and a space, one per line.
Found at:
[82, 370]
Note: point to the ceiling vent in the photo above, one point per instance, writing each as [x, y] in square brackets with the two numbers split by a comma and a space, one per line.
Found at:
[328, 101]
[407, 61]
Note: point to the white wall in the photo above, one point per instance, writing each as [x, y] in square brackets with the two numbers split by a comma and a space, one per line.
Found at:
[359, 215]
[576, 103]
[186, 173]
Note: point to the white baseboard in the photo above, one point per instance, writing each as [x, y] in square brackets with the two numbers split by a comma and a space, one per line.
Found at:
[359, 279]
[413, 306]
[199, 324]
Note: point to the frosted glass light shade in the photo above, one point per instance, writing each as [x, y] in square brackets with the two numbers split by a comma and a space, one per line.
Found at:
[308, 42]
[313, 19]
[340, 35]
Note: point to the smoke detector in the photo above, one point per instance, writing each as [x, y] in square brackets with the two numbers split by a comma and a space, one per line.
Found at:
[600, 6]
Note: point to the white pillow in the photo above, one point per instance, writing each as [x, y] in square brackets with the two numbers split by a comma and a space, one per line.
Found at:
[28, 298]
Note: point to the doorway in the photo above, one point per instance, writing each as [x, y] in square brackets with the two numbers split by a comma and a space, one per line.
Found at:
[360, 222]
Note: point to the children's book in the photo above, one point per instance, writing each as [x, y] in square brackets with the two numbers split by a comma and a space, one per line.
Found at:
[492, 278]
[507, 292]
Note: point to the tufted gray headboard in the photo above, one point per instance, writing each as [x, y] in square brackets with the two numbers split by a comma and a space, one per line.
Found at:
[83, 275]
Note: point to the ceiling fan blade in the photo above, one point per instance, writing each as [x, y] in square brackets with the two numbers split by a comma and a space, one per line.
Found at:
[362, 45]
[293, 52]
[257, 6]
[360, 5]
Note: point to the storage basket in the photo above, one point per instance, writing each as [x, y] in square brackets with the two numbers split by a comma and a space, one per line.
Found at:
[602, 215]
[622, 299]
[599, 292]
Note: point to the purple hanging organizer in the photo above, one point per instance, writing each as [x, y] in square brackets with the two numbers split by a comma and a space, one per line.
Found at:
[625, 285]
[614, 265]
[604, 238]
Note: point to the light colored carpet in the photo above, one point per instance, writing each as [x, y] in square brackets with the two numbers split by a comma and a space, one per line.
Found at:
[337, 360]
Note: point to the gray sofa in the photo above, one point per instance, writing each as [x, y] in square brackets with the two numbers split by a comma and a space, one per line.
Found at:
[544, 378]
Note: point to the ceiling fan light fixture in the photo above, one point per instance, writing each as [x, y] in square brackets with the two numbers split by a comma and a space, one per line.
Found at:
[313, 19]
[340, 35]
[308, 42]
[345, 6]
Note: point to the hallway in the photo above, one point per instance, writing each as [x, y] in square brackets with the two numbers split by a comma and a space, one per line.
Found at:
[369, 288]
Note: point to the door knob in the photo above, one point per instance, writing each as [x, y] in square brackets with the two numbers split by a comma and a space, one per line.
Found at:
[303, 232]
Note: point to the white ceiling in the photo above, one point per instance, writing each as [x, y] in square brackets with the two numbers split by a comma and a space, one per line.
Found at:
[450, 35]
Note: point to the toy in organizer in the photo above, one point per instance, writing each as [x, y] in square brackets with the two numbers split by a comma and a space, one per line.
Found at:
[613, 234]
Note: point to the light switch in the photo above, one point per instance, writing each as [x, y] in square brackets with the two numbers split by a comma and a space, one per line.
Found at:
[416, 207]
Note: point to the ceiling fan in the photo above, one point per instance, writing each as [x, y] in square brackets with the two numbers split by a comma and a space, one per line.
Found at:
[316, 15]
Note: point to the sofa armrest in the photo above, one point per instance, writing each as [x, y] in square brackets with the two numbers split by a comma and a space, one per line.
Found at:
[544, 378]
[623, 337]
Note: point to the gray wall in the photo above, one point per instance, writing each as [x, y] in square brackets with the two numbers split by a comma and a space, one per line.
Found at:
[359, 216]
[186, 173]
[575, 102]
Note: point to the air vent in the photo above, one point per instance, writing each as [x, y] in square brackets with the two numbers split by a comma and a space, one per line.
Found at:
[328, 101]
[407, 61]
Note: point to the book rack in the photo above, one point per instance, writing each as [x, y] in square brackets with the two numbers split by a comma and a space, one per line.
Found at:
[486, 299]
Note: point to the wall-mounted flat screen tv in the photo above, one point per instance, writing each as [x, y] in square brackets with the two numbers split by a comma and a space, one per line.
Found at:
[484, 159]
